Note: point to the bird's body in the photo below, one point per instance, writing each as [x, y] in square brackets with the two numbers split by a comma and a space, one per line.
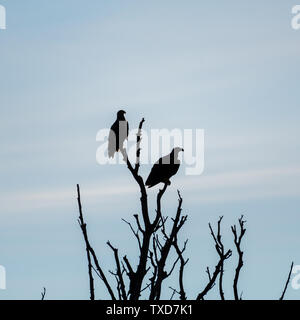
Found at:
[164, 169]
[118, 134]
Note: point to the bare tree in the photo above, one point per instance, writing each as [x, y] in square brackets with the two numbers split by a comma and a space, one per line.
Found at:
[156, 239]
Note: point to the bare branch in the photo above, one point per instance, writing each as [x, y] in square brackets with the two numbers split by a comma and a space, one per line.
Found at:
[208, 273]
[183, 262]
[119, 274]
[136, 234]
[43, 293]
[90, 252]
[173, 267]
[214, 276]
[173, 294]
[237, 241]
[178, 222]
[158, 205]
[138, 276]
[141, 184]
[130, 272]
[146, 287]
[84, 231]
[154, 265]
[155, 245]
[118, 286]
[219, 267]
[138, 223]
[220, 250]
[138, 146]
[287, 282]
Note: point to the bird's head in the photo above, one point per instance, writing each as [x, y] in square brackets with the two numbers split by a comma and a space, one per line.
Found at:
[177, 150]
[120, 114]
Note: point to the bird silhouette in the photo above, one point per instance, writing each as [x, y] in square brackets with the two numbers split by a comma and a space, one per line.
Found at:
[118, 134]
[164, 169]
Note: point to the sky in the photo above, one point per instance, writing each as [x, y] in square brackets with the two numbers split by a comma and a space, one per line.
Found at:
[67, 67]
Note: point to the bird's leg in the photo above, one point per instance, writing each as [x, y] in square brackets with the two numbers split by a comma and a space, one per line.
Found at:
[167, 182]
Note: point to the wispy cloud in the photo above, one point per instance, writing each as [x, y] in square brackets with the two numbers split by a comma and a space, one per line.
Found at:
[227, 186]
[245, 185]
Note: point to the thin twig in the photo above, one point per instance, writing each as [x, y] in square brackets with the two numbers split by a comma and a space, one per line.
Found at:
[91, 252]
[84, 231]
[181, 269]
[130, 271]
[136, 234]
[119, 274]
[287, 282]
[220, 250]
[173, 294]
[43, 293]
[138, 146]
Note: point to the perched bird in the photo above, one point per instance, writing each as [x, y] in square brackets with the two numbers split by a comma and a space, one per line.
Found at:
[118, 134]
[164, 169]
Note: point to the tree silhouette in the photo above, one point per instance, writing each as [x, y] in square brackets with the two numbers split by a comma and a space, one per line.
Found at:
[156, 238]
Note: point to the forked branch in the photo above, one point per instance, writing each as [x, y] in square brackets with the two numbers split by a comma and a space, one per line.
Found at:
[220, 250]
[119, 274]
[238, 236]
[219, 269]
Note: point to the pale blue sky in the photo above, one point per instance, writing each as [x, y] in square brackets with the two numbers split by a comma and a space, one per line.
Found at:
[66, 67]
